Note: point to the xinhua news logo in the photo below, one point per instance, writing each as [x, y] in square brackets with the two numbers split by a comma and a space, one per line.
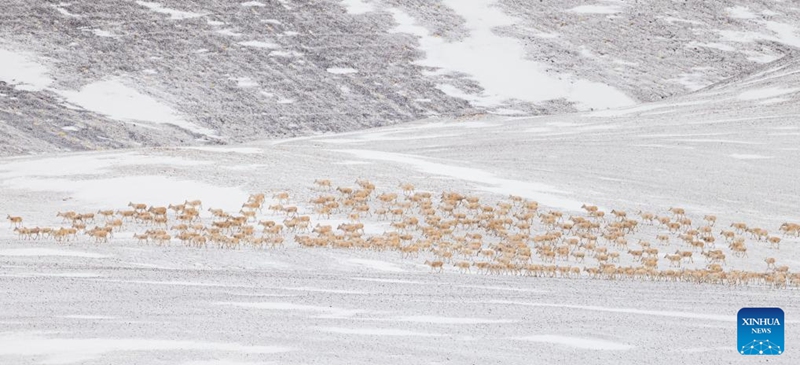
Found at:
[760, 331]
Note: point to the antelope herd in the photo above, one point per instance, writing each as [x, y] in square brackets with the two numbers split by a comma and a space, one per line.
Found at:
[514, 236]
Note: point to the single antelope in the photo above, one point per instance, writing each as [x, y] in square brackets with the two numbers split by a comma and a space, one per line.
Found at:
[194, 203]
[324, 183]
[14, 221]
[435, 265]
[678, 212]
[774, 242]
[138, 206]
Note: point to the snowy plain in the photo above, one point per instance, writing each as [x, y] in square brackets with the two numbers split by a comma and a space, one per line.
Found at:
[717, 151]
[731, 149]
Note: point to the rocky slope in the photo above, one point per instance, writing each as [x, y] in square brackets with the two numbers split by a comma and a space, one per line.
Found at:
[98, 75]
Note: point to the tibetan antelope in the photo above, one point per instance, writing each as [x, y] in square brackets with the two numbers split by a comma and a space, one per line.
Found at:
[770, 262]
[323, 183]
[282, 197]
[14, 221]
[138, 206]
[197, 204]
[678, 212]
[437, 266]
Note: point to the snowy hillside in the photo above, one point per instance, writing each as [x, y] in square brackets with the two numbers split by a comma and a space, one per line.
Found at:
[99, 75]
[396, 182]
[730, 151]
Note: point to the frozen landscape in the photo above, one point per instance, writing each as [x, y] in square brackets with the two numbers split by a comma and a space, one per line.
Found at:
[618, 104]
[126, 73]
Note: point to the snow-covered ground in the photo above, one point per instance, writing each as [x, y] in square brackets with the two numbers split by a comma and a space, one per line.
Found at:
[200, 74]
[89, 304]
[718, 151]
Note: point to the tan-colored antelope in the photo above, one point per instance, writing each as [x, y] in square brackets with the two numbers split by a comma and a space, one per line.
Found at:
[85, 217]
[276, 208]
[674, 260]
[67, 216]
[437, 266]
[162, 239]
[116, 223]
[218, 213]
[323, 183]
[599, 215]
[252, 206]
[685, 255]
[141, 238]
[647, 217]
[636, 254]
[248, 214]
[739, 227]
[257, 198]
[728, 235]
[107, 214]
[790, 229]
[408, 189]
[674, 227]
[99, 235]
[14, 221]
[774, 242]
[127, 214]
[160, 220]
[176, 208]
[62, 234]
[291, 211]
[138, 206]
[27, 233]
[282, 197]
[463, 266]
[678, 212]
[197, 204]
[758, 233]
[79, 226]
[158, 211]
[267, 224]
[739, 250]
[273, 230]
[589, 208]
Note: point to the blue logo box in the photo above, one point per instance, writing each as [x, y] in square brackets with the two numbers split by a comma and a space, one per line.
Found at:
[760, 331]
